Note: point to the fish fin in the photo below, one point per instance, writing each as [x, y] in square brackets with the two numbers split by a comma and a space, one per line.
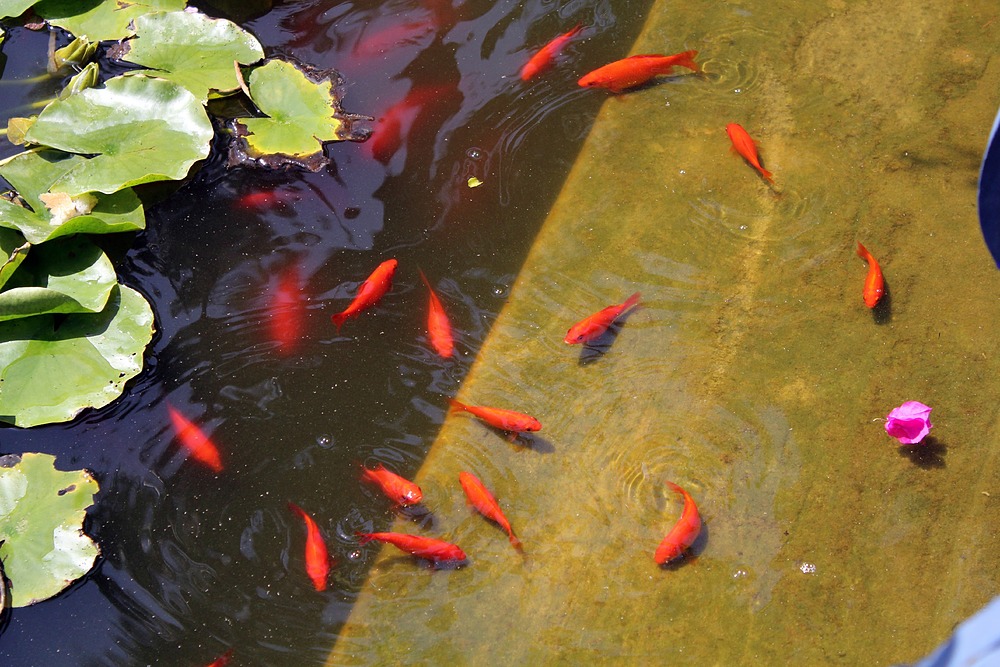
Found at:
[456, 405]
[516, 543]
[575, 31]
[338, 320]
[424, 278]
[863, 251]
[767, 175]
[364, 538]
[631, 301]
[688, 61]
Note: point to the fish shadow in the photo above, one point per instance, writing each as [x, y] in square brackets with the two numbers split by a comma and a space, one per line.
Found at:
[691, 554]
[524, 440]
[928, 454]
[882, 312]
[419, 514]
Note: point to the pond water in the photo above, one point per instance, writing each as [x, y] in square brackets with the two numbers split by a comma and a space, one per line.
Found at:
[194, 563]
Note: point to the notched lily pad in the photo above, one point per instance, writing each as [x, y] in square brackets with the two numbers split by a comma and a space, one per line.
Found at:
[54, 366]
[42, 543]
[133, 130]
[193, 50]
[303, 113]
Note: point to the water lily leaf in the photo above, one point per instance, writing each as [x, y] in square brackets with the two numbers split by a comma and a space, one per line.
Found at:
[101, 20]
[41, 526]
[16, 127]
[74, 54]
[14, 8]
[13, 250]
[137, 128]
[54, 366]
[193, 50]
[85, 78]
[70, 275]
[302, 113]
[34, 173]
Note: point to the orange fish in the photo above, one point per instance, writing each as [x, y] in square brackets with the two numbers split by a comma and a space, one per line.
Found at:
[222, 660]
[874, 282]
[505, 420]
[746, 147]
[637, 70]
[286, 311]
[371, 290]
[684, 532]
[400, 490]
[196, 442]
[436, 551]
[546, 56]
[595, 325]
[402, 119]
[317, 559]
[438, 326]
[484, 502]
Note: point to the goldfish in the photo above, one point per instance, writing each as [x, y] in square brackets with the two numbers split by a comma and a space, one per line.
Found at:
[438, 326]
[436, 551]
[545, 58]
[595, 325]
[260, 200]
[746, 147]
[874, 282]
[505, 420]
[222, 660]
[196, 442]
[286, 311]
[484, 502]
[400, 490]
[371, 290]
[684, 532]
[317, 559]
[385, 40]
[387, 136]
[636, 70]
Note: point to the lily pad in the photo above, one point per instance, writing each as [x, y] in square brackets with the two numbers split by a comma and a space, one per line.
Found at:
[138, 129]
[193, 50]
[101, 20]
[303, 113]
[64, 276]
[44, 548]
[54, 366]
[14, 8]
[34, 173]
[13, 250]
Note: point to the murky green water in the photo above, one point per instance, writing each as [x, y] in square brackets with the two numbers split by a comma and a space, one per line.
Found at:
[753, 375]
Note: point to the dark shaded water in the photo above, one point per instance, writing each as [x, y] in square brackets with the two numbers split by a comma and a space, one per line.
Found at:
[194, 563]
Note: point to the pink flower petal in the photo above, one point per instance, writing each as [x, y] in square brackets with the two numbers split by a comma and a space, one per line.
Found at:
[909, 423]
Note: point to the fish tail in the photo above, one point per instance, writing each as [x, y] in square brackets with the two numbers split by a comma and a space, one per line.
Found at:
[455, 405]
[338, 320]
[863, 252]
[364, 538]
[516, 543]
[687, 60]
[575, 31]
[295, 508]
[767, 175]
[631, 301]
[674, 487]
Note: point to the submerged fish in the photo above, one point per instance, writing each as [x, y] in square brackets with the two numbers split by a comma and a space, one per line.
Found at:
[400, 490]
[286, 311]
[317, 559]
[595, 325]
[438, 326]
[222, 660]
[545, 58]
[194, 440]
[684, 532]
[505, 420]
[484, 502]
[636, 70]
[874, 282]
[436, 551]
[747, 148]
[371, 290]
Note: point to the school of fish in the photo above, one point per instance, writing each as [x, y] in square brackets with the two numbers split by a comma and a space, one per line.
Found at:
[286, 312]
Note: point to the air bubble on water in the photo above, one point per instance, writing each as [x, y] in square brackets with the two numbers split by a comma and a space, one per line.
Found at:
[324, 441]
[739, 574]
[683, 171]
[353, 555]
[737, 90]
[474, 153]
[807, 568]
[743, 228]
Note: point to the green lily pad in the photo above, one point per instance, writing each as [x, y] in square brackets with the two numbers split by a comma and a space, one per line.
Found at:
[13, 250]
[303, 113]
[137, 128]
[68, 275]
[14, 8]
[193, 50]
[54, 366]
[44, 548]
[100, 21]
[34, 173]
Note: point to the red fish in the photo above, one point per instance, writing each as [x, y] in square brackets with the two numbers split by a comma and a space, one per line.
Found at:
[436, 551]
[438, 326]
[637, 70]
[222, 660]
[400, 490]
[505, 420]
[195, 440]
[400, 119]
[684, 532]
[595, 325]
[317, 559]
[546, 56]
[380, 42]
[260, 200]
[286, 311]
[874, 282]
[371, 290]
[746, 147]
[484, 502]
